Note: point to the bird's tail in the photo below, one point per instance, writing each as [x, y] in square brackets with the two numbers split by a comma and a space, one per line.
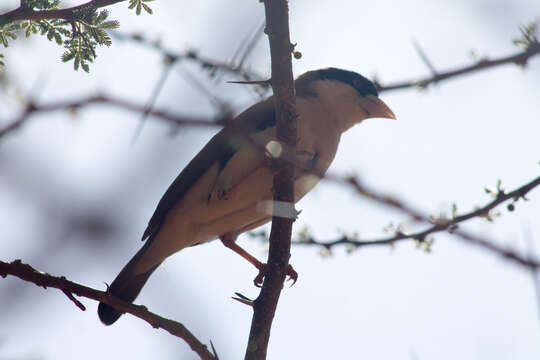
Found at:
[126, 286]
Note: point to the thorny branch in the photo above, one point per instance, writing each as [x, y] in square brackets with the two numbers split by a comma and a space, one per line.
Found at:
[520, 58]
[530, 42]
[212, 66]
[26, 272]
[206, 63]
[33, 109]
[441, 224]
[264, 307]
[69, 288]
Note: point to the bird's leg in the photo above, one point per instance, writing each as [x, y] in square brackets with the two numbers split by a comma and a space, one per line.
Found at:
[230, 242]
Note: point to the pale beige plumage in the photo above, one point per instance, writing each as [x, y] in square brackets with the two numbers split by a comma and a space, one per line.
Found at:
[224, 190]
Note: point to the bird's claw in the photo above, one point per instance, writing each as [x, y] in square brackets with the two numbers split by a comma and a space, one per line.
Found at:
[258, 281]
[291, 274]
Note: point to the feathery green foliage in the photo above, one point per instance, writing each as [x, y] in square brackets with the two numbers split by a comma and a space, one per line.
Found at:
[41, 4]
[8, 31]
[87, 32]
[140, 4]
[79, 35]
[529, 36]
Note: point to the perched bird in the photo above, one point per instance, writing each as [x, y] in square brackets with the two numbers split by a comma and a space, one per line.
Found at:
[225, 190]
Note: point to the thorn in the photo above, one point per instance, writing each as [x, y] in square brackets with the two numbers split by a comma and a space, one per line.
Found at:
[243, 301]
[242, 296]
[151, 101]
[219, 104]
[75, 301]
[424, 57]
[252, 43]
[254, 82]
[214, 352]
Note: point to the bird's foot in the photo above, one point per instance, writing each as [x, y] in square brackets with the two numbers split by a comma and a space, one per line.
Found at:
[291, 274]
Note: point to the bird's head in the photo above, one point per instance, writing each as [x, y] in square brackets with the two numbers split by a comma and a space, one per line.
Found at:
[347, 94]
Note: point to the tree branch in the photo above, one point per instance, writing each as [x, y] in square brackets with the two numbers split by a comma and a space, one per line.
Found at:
[28, 273]
[264, 307]
[25, 13]
[73, 105]
[520, 58]
[442, 224]
[206, 63]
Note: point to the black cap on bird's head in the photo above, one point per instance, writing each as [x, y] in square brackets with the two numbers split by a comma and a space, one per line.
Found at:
[357, 81]
[366, 104]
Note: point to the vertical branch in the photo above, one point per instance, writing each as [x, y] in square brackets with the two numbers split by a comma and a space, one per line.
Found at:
[264, 307]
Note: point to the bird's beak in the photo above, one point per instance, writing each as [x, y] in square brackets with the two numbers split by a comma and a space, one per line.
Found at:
[376, 108]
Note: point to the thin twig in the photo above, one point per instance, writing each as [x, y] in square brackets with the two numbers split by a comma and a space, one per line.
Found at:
[251, 45]
[438, 224]
[219, 104]
[73, 105]
[424, 57]
[520, 58]
[75, 301]
[533, 264]
[153, 97]
[191, 55]
[28, 273]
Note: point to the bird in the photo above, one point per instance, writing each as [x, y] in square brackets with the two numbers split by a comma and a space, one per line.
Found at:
[226, 189]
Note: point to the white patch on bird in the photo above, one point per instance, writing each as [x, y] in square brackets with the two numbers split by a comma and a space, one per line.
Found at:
[274, 148]
[305, 183]
[277, 208]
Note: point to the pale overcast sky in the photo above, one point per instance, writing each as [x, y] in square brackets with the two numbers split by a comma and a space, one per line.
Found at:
[458, 302]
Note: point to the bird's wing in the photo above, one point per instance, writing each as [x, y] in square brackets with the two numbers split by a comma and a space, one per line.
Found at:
[222, 149]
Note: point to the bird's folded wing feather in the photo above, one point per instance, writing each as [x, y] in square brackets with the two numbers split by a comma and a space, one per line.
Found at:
[223, 149]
